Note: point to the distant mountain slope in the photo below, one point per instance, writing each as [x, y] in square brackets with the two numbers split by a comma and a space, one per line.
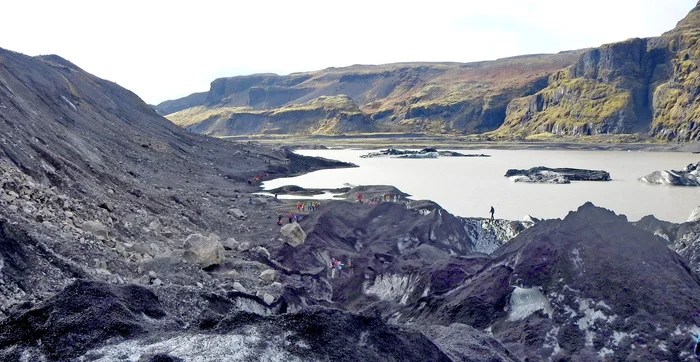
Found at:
[402, 97]
[62, 125]
[647, 86]
[179, 104]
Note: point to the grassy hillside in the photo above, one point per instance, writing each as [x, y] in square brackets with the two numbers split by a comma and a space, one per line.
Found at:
[459, 98]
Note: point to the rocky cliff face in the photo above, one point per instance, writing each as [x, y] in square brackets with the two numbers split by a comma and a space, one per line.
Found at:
[643, 86]
[406, 97]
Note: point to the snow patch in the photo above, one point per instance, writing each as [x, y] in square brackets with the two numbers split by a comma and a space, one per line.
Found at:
[69, 103]
[605, 352]
[525, 301]
[392, 287]
[618, 336]
[590, 315]
[198, 348]
[662, 235]
[550, 340]
[576, 259]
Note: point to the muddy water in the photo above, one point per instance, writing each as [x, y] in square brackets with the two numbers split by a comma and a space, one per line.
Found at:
[469, 186]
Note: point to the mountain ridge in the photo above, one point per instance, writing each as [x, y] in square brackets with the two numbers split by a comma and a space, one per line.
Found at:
[638, 86]
[389, 97]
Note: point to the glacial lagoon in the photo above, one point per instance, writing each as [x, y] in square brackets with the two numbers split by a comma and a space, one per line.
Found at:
[469, 186]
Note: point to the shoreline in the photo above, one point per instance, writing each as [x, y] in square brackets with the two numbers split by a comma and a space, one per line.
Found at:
[382, 141]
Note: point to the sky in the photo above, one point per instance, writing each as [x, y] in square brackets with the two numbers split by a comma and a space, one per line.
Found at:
[168, 49]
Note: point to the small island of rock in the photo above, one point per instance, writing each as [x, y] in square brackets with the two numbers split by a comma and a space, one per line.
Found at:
[548, 175]
[690, 176]
[429, 152]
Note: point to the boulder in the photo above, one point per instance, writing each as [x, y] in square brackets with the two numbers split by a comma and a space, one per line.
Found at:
[293, 234]
[239, 287]
[204, 250]
[268, 275]
[96, 228]
[230, 244]
[267, 298]
[237, 213]
[262, 251]
[155, 226]
[243, 246]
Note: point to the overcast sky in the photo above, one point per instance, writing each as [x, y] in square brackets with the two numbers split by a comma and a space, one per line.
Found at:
[168, 49]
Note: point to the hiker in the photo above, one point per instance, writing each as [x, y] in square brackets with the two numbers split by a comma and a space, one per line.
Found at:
[291, 217]
[250, 182]
[279, 219]
[359, 197]
[697, 344]
[296, 217]
[335, 266]
[250, 200]
[275, 196]
[492, 211]
[332, 266]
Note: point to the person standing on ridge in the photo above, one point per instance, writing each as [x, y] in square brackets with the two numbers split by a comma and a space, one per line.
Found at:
[492, 211]
[359, 197]
[291, 217]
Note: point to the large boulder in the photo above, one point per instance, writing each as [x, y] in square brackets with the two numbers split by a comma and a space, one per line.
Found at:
[269, 275]
[204, 250]
[237, 213]
[293, 234]
[96, 228]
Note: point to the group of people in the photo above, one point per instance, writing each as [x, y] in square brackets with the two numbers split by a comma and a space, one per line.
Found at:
[377, 199]
[296, 216]
[308, 206]
[293, 217]
[258, 178]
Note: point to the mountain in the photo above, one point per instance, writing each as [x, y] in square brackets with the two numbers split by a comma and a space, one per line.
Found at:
[646, 86]
[175, 105]
[119, 228]
[402, 97]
